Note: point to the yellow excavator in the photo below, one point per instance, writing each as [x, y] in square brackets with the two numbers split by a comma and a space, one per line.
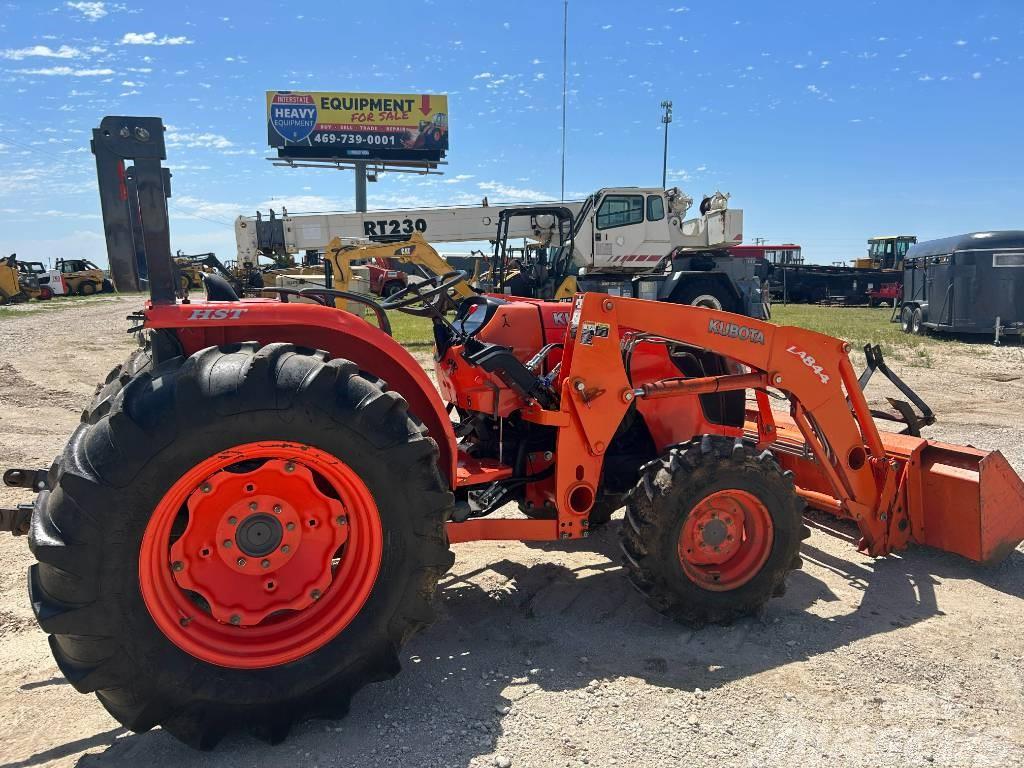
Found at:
[339, 258]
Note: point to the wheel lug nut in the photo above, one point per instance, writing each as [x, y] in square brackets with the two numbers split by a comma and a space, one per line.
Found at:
[227, 543]
[236, 619]
[290, 526]
[232, 520]
[205, 487]
[286, 549]
[265, 564]
[277, 509]
[177, 565]
[342, 520]
[289, 467]
[315, 594]
[252, 505]
[241, 562]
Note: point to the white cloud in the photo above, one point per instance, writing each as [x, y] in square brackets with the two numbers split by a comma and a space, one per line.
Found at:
[93, 11]
[296, 203]
[206, 140]
[150, 38]
[512, 193]
[680, 9]
[606, 27]
[925, 78]
[961, 43]
[458, 178]
[194, 207]
[976, 76]
[66, 72]
[483, 76]
[17, 54]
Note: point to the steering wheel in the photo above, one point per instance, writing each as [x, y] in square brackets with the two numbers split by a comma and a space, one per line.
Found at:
[422, 292]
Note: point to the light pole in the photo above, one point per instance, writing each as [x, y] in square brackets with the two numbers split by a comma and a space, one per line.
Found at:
[666, 118]
[565, 71]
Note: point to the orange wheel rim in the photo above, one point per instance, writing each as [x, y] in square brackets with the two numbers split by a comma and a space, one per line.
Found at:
[260, 555]
[725, 540]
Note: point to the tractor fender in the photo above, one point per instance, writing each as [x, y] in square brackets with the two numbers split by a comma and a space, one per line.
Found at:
[339, 333]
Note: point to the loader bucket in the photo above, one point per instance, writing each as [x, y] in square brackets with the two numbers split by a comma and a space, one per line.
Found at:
[971, 502]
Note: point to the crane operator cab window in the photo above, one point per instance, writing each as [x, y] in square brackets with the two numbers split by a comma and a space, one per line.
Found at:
[655, 208]
[620, 211]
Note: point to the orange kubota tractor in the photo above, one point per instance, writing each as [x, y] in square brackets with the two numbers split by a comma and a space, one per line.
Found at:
[252, 517]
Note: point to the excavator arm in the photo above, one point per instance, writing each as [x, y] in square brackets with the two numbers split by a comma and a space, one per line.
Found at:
[896, 488]
[414, 250]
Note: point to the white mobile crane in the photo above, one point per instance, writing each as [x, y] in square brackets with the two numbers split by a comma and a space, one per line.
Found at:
[615, 237]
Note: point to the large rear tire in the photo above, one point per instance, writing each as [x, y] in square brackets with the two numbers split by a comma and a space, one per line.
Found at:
[711, 531]
[108, 539]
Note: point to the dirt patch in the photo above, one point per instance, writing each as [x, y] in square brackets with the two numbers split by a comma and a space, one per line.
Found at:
[545, 656]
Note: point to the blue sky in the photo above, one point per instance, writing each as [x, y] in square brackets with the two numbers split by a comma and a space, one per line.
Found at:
[828, 122]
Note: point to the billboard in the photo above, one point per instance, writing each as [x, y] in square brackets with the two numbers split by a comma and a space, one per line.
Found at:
[369, 126]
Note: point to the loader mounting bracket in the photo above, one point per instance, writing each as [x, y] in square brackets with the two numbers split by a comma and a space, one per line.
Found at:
[33, 479]
[905, 413]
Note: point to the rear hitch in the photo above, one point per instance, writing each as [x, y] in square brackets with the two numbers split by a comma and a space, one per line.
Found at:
[32, 479]
[905, 414]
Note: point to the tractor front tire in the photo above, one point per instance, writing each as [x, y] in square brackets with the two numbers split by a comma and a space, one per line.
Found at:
[711, 531]
[87, 289]
[108, 586]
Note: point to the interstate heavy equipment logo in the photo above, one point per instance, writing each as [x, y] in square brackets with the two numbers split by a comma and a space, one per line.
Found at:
[293, 115]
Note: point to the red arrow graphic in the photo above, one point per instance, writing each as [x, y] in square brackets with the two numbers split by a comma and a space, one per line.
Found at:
[425, 105]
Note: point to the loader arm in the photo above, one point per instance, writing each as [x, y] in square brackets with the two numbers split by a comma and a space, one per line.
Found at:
[896, 488]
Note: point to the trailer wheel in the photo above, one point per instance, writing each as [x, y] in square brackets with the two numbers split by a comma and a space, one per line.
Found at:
[391, 288]
[225, 545]
[906, 319]
[916, 317]
[712, 530]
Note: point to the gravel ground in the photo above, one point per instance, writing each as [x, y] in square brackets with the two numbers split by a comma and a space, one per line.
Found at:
[543, 656]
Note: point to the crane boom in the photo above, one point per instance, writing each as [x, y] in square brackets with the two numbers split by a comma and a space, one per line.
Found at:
[295, 233]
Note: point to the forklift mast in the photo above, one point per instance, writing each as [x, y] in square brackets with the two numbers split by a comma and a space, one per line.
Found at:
[133, 200]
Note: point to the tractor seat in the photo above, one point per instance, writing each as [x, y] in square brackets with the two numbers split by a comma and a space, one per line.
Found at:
[218, 289]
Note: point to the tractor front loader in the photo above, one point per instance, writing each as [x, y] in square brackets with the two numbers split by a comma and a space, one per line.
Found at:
[252, 517]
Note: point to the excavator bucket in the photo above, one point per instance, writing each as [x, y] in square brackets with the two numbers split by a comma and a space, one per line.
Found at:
[969, 502]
